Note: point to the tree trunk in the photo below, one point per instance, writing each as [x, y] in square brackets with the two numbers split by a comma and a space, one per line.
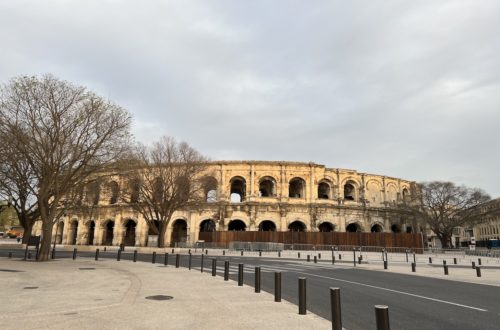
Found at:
[161, 235]
[27, 231]
[46, 240]
[445, 240]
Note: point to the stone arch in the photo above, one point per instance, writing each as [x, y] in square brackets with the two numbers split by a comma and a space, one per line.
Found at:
[238, 188]
[267, 225]
[134, 186]
[297, 188]
[326, 227]
[267, 186]
[405, 193]
[374, 191]
[237, 225]
[207, 225]
[91, 228]
[353, 227]
[395, 228]
[350, 190]
[210, 186]
[297, 225]
[325, 189]
[59, 232]
[73, 233]
[130, 227]
[391, 193]
[114, 192]
[108, 232]
[179, 232]
[377, 228]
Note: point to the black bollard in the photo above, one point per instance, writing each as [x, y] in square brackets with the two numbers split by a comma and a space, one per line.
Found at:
[413, 267]
[302, 296]
[257, 279]
[153, 259]
[104, 249]
[201, 267]
[74, 253]
[430, 260]
[96, 254]
[414, 258]
[118, 255]
[177, 260]
[214, 267]
[165, 259]
[189, 262]
[333, 260]
[240, 274]
[135, 256]
[444, 262]
[359, 259]
[473, 265]
[223, 252]
[385, 264]
[53, 253]
[226, 270]
[315, 260]
[308, 258]
[354, 256]
[277, 286]
[260, 253]
[173, 251]
[336, 310]
[382, 317]
[454, 261]
[189, 251]
[478, 271]
[340, 256]
[479, 261]
[445, 267]
[298, 255]
[242, 253]
[279, 254]
[319, 255]
[206, 252]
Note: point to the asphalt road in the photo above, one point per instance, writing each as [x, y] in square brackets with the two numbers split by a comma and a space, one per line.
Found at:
[414, 302]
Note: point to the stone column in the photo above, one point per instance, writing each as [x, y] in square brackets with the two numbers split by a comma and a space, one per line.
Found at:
[252, 181]
[311, 185]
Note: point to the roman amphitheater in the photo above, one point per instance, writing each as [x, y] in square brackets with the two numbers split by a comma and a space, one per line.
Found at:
[253, 196]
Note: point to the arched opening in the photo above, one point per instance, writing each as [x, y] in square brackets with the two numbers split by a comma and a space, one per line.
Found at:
[297, 226]
[296, 188]
[267, 225]
[267, 187]
[210, 189]
[376, 228]
[237, 225]
[395, 228]
[324, 190]
[93, 192]
[405, 194]
[129, 239]
[114, 190]
[409, 229]
[91, 231]
[134, 188]
[108, 234]
[59, 233]
[179, 232]
[74, 232]
[326, 227]
[349, 191]
[207, 225]
[353, 228]
[238, 189]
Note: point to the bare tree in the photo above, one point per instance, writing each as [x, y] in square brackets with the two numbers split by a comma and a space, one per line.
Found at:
[443, 206]
[166, 177]
[66, 134]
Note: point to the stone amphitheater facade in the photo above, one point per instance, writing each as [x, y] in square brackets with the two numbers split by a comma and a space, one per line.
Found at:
[252, 196]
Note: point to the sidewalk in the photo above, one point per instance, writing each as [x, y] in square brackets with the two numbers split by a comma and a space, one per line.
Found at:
[88, 294]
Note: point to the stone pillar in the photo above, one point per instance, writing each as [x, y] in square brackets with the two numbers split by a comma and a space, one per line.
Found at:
[311, 185]
[252, 181]
[284, 185]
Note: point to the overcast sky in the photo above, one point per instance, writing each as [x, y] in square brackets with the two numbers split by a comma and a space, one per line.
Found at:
[409, 89]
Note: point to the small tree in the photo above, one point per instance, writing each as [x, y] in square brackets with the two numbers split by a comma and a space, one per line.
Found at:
[165, 177]
[443, 206]
[65, 133]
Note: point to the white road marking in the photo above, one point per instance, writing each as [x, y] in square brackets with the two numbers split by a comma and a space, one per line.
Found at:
[396, 291]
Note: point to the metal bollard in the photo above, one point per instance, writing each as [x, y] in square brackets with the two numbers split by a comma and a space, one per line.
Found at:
[478, 271]
[406, 255]
[177, 260]
[444, 262]
[153, 259]
[74, 253]
[165, 259]
[479, 261]
[226, 270]
[385, 264]
[277, 286]
[333, 260]
[96, 254]
[308, 258]
[335, 307]
[206, 251]
[189, 262]
[454, 261]
[302, 296]
[135, 256]
[319, 255]
[279, 254]
[242, 253]
[340, 256]
[189, 251]
[257, 279]
[298, 255]
[260, 253]
[382, 317]
[359, 259]
[473, 265]
[430, 260]
[119, 255]
[201, 267]
[223, 252]
[315, 260]
[173, 251]
[445, 266]
[240, 274]
[354, 256]
[413, 267]
[104, 249]
[53, 256]
[214, 267]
